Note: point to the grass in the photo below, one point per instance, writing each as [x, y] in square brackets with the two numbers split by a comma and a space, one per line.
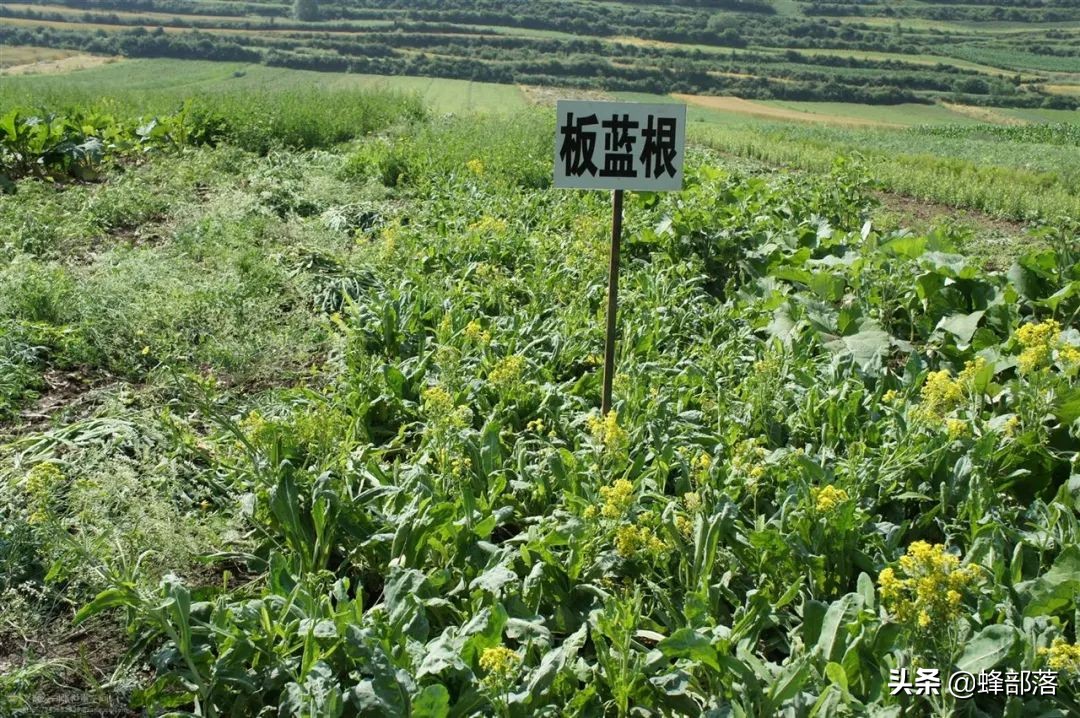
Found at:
[1007, 179]
[194, 76]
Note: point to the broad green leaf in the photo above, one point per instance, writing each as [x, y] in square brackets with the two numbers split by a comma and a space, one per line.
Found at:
[433, 702]
[910, 247]
[836, 675]
[962, 326]
[988, 648]
[867, 348]
[1055, 590]
[688, 643]
[1067, 406]
[493, 580]
[830, 642]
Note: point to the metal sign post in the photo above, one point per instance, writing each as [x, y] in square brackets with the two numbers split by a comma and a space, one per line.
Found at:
[612, 300]
[642, 149]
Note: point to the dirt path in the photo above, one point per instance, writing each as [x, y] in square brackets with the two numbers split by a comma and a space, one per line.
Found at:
[740, 106]
[64, 64]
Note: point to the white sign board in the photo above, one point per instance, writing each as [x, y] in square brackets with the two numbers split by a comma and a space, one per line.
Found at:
[619, 145]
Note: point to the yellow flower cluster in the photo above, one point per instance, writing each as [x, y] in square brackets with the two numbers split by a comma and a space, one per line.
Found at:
[747, 459]
[475, 332]
[956, 428]
[971, 370]
[618, 498]
[633, 539]
[460, 468]
[890, 396]
[489, 224]
[500, 663]
[684, 525]
[692, 501]
[41, 481]
[507, 372]
[702, 464]
[827, 498]
[931, 591]
[43, 478]
[607, 432]
[1010, 426]
[255, 427]
[536, 426]
[487, 272]
[1038, 341]
[768, 365]
[1061, 656]
[439, 405]
[940, 393]
[475, 166]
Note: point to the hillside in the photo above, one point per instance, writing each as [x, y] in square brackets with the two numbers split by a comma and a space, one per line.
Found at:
[1022, 54]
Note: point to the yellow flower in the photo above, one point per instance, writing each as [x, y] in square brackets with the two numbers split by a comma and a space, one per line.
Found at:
[437, 400]
[890, 396]
[702, 464]
[536, 426]
[828, 498]
[42, 479]
[692, 501]
[1069, 354]
[931, 591]
[1031, 335]
[684, 525]
[490, 225]
[1061, 656]
[607, 431]
[632, 540]
[956, 428]
[1038, 341]
[474, 332]
[507, 372]
[1033, 358]
[461, 467]
[591, 512]
[618, 498]
[1010, 426]
[475, 166]
[971, 370]
[747, 459]
[440, 407]
[940, 393]
[888, 584]
[500, 663]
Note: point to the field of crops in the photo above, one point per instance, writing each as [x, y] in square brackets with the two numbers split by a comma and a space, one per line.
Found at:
[299, 415]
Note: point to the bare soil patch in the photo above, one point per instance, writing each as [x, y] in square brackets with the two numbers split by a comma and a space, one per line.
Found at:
[748, 107]
[60, 65]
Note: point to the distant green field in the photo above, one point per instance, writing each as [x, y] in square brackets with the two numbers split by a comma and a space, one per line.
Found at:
[440, 95]
[1042, 115]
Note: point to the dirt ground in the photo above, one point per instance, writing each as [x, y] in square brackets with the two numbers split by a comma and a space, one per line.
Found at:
[64, 64]
[755, 109]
